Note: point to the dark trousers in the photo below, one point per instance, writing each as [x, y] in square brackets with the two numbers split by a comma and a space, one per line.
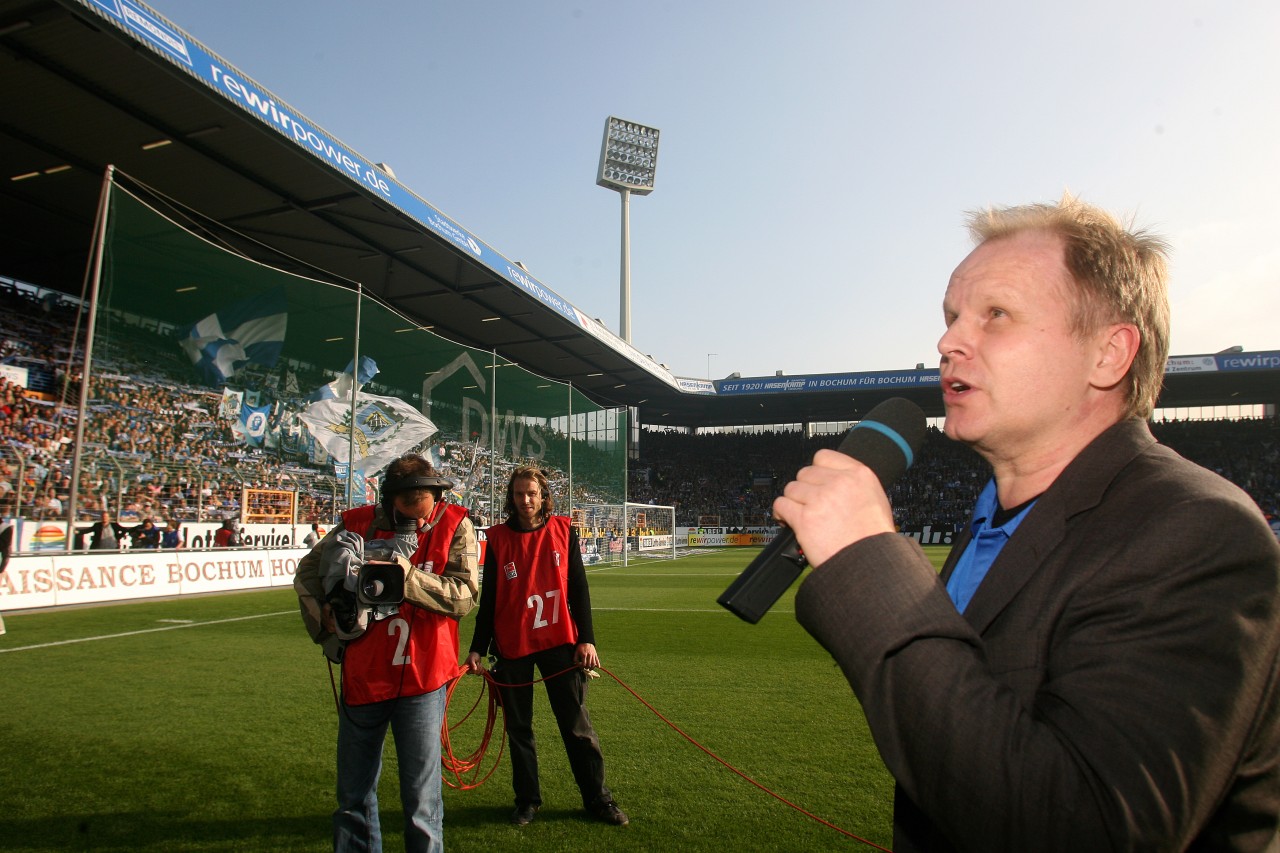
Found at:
[567, 694]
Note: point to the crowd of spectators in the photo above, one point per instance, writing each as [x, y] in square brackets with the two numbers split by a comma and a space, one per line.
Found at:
[734, 477]
[150, 453]
[153, 447]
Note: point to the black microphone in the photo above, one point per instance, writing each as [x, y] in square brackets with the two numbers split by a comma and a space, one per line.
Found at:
[886, 441]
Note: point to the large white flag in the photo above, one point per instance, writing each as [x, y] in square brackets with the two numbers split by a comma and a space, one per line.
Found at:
[386, 427]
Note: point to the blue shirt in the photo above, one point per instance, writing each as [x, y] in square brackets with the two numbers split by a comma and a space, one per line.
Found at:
[983, 548]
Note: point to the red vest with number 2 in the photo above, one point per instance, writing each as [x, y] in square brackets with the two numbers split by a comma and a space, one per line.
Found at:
[415, 651]
[531, 608]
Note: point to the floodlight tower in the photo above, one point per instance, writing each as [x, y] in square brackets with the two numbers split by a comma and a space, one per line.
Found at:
[628, 163]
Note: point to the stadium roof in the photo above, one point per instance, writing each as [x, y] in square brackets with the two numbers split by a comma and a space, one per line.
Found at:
[85, 84]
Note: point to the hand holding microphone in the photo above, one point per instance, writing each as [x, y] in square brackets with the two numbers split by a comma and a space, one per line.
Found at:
[832, 503]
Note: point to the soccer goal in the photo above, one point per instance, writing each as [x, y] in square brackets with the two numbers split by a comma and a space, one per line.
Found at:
[620, 534]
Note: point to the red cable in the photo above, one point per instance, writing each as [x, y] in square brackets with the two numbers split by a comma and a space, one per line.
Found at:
[472, 762]
[461, 767]
[466, 770]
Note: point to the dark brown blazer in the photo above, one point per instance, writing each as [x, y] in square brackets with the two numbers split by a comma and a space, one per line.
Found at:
[1112, 684]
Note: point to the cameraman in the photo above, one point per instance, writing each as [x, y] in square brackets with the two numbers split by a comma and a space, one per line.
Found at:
[397, 669]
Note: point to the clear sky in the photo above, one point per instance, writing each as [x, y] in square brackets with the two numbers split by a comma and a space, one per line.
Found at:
[816, 157]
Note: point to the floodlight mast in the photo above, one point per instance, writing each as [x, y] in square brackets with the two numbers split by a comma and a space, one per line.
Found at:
[628, 164]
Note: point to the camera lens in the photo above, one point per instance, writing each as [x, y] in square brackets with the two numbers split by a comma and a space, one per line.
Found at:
[373, 588]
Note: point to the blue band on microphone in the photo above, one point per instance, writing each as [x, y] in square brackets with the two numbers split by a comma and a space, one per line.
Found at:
[892, 435]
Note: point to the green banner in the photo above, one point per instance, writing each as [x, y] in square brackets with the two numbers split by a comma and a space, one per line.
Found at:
[212, 374]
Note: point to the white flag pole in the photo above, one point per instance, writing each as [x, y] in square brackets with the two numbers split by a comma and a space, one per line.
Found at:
[94, 284]
[355, 390]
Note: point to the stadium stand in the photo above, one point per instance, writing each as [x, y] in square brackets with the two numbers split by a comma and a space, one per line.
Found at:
[157, 451]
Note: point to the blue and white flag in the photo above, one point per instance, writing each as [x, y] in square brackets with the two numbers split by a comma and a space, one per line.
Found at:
[386, 427]
[250, 331]
[252, 426]
[229, 406]
[368, 369]
[275, 423]
[340, 388]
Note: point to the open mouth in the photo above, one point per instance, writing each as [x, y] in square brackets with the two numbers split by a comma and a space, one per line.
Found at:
[955, 386]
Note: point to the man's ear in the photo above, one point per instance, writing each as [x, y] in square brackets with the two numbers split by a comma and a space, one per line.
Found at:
[1117, 348]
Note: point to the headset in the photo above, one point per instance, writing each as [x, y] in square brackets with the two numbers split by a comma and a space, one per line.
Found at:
[391, 485]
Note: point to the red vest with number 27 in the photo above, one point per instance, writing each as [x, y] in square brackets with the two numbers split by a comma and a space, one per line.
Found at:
[531, 607]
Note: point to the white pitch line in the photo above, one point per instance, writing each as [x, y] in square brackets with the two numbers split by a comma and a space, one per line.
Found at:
[286, 612]
[143, 631]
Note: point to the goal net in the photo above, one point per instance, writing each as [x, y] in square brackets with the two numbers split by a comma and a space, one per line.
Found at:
[620, 534]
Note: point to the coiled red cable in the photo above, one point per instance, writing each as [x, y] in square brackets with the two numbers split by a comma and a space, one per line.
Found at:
[465, 770]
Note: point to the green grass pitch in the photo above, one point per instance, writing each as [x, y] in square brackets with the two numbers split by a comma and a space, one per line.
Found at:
[209, 724]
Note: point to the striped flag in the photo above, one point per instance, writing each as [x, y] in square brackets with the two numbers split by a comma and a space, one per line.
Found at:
[249, 331]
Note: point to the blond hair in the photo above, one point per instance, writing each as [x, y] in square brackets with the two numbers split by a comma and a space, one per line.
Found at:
[1120, 273]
